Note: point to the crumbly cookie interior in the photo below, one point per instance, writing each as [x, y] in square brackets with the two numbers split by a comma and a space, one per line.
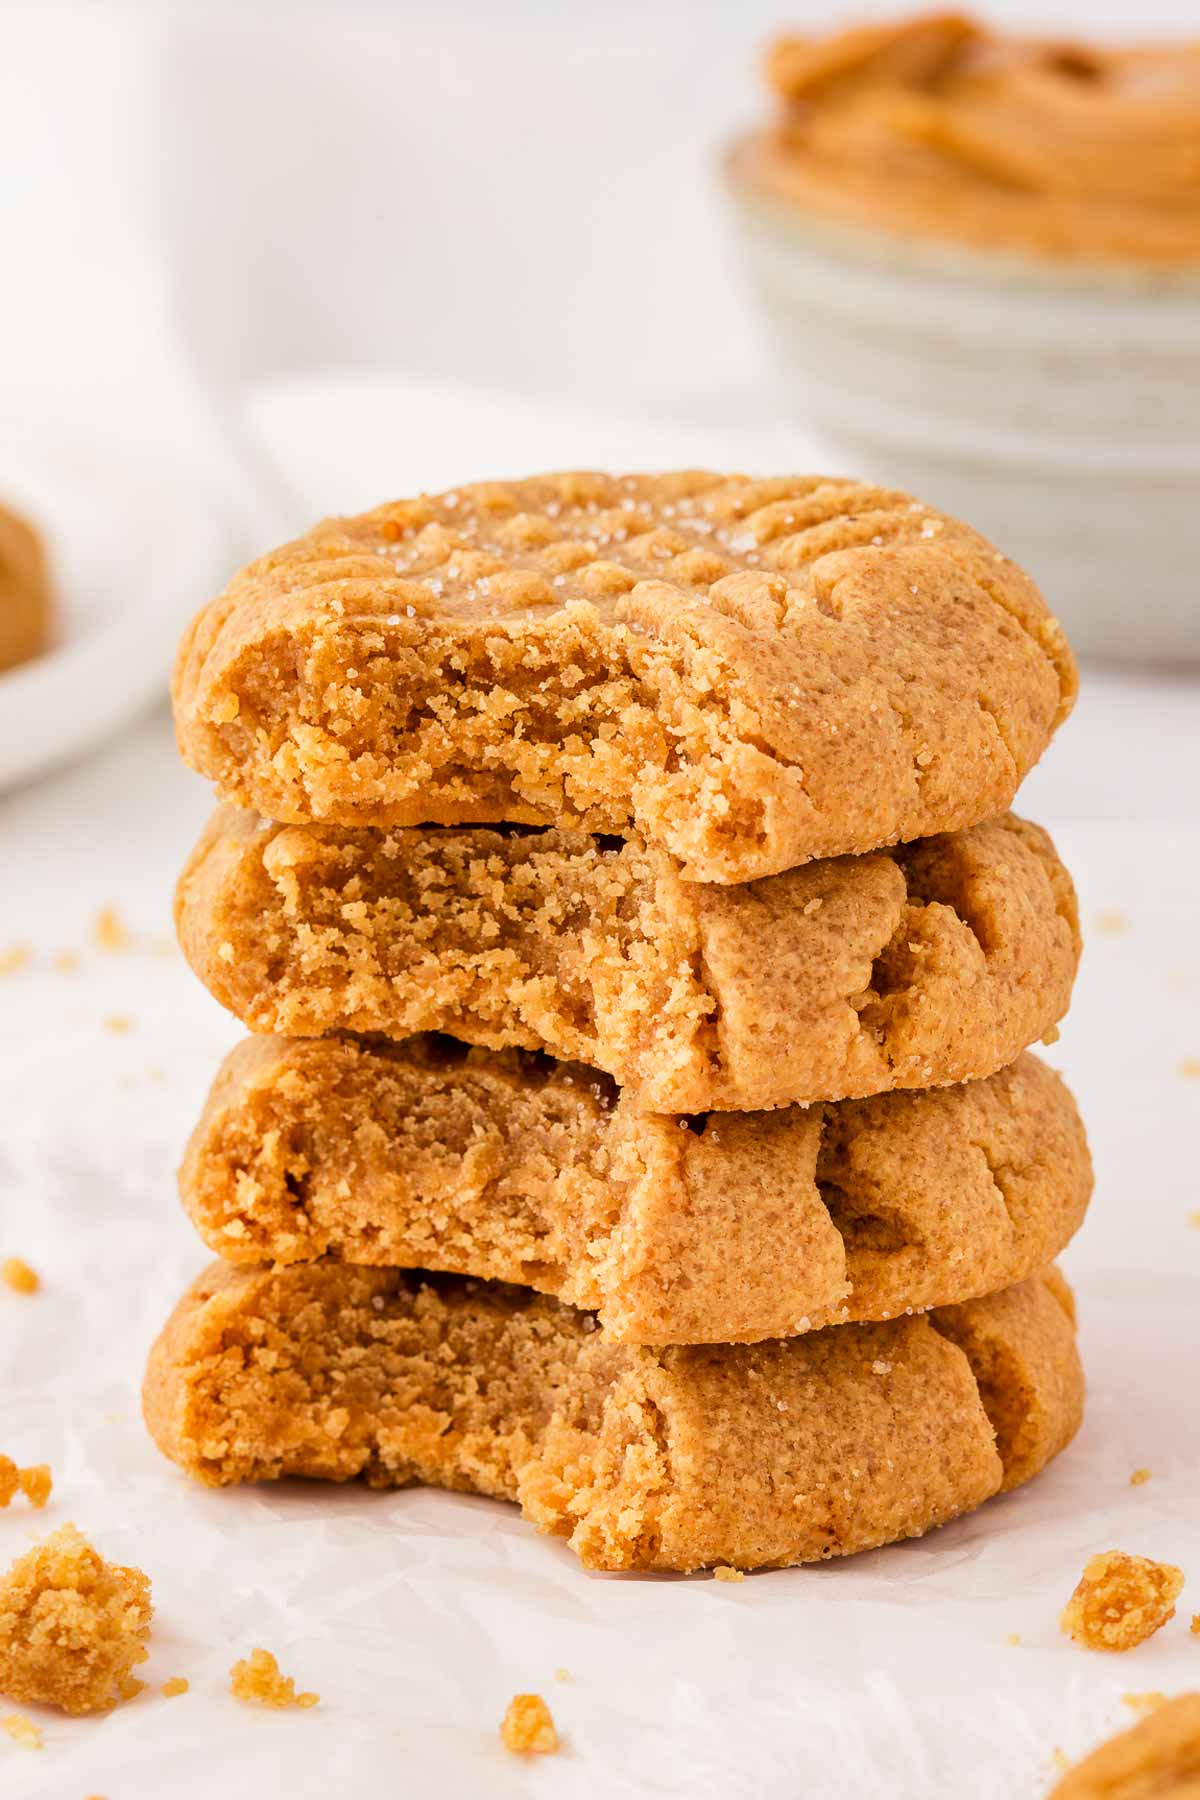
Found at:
[723, 1227]
[931, 963]
[841, 1440]
[751, 673]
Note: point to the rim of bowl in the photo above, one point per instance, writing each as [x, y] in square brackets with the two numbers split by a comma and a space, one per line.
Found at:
[950, 257]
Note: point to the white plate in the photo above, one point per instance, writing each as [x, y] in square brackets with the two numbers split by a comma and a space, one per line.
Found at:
[135, 547]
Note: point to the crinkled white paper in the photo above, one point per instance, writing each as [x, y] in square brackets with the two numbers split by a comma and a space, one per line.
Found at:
[417, 1615]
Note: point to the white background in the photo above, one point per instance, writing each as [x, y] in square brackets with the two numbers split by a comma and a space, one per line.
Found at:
[519, 193]
[196, 204]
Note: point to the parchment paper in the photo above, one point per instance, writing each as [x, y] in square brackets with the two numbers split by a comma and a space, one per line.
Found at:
[417, 1615]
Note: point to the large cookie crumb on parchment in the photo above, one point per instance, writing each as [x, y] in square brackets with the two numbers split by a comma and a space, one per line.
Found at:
[527, 1728]
[18, 1275]
[1121, 1601]
[257, 1680]
[35, 1482]
[72, 1626]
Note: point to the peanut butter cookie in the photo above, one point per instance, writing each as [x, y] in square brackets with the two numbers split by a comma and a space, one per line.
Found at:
[72, 1627]
[719, 1229]
[680, 1458]
[931, 963]
[749, 673]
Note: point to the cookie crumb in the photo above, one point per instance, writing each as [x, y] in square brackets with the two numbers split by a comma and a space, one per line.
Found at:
[1112, 922]
[1194, 1218]
[1140, 1477]
[66, 962]
[22, 1731]
[72, 1626]
[19, 1276]
[256, 1680]
[17, 956]
[723, 1572]
[109, 931]
[1013, 1639]
[35, 1482]
[1144, 1703]
[118, 1023]
[177, 1684]
[1121, 1600]
[527, 1728]
[1195, 1625]
[563, 1675]
[1051, 1037]
[1189, 1068]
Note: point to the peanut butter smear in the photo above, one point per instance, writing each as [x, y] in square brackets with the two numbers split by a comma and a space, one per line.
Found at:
[935, 127]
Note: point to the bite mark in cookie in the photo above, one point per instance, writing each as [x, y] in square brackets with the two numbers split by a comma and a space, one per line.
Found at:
[749, 673]
[341, 1372]
[931, 963]
[726, 1228]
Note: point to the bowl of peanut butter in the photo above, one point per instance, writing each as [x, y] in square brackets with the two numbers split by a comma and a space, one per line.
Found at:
[978, 261]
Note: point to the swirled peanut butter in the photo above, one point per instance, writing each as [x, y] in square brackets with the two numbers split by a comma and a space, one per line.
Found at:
[935, 127]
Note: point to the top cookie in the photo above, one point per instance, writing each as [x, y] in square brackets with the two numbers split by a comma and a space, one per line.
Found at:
[750, 672]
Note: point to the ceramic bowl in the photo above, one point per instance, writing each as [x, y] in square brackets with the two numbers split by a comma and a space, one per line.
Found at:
[1055, 407]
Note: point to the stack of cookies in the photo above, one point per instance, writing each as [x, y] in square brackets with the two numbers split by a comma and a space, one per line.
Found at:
[639, 1125]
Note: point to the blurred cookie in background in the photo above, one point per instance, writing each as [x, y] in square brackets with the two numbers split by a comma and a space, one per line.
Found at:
[26, 603]
[977, 259]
